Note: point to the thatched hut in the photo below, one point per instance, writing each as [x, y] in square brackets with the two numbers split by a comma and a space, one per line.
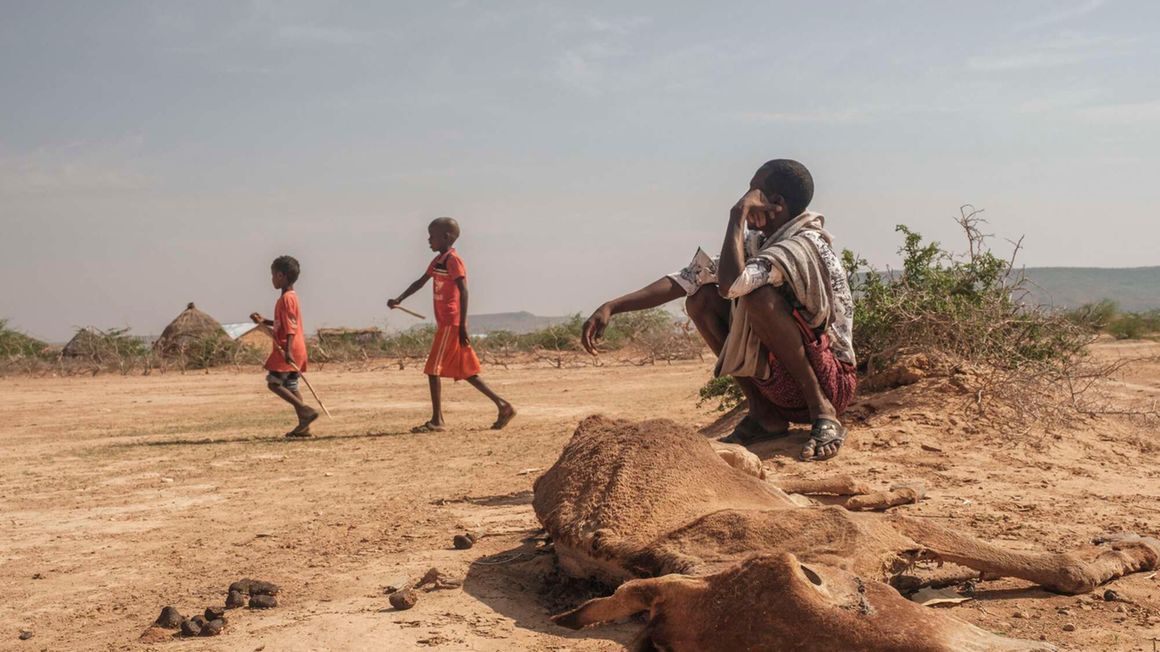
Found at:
[255, 336]
[191, 326]
[361, 336]
[84, 344]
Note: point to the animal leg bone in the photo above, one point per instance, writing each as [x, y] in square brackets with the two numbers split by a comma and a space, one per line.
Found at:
[1078, 571]
[879, 500]
[839, 485]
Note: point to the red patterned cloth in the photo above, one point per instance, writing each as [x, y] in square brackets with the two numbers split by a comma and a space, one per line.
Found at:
[838, 380]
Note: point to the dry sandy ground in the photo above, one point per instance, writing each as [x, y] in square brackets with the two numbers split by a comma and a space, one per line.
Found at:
[121, 495]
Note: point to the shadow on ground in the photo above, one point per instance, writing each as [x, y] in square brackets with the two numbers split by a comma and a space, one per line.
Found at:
[523, 583]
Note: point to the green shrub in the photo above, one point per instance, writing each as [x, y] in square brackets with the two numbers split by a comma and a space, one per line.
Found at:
[723, 390]
[14, 344]
[965, 305]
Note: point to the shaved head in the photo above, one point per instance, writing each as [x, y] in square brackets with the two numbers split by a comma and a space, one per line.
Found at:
[446, 225]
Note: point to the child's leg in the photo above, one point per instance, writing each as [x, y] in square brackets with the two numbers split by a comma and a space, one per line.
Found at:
[436, 400]
[506, 411]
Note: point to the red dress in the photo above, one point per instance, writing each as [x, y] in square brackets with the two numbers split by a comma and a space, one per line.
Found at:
[449, 358]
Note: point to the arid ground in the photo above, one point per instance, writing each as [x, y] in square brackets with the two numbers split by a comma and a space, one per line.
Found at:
[120, 495]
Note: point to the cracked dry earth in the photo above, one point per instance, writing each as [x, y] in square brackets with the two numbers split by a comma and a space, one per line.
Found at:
[120, 495]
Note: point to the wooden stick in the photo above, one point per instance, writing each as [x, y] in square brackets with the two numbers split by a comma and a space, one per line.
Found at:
[409, 312]
[311, 388]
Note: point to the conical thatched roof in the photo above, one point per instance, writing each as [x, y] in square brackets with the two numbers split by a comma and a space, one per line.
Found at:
[84, 344]
[191, 325]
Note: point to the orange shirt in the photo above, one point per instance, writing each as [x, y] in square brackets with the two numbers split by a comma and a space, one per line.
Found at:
[287, 322]
[445, 270]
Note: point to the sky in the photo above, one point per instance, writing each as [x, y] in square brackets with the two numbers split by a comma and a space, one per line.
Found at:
[154, 153]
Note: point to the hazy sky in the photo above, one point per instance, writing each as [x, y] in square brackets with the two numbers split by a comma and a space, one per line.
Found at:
[153, 153]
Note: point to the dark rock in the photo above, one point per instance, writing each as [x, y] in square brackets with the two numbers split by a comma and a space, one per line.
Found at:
[1111, 596]
[215, 613]
[462, 541]
[190, 627]
[25, 635]
[403, 600]
[213, 627]
[170, 618]
[263, 602]
[235, 599]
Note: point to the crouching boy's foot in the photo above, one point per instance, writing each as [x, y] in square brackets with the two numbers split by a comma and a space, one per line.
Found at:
[506, 414]
[826, 437]
[430, 426]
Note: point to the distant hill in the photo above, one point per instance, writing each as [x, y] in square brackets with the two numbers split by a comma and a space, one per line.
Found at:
[516, 322]
[1133, 288]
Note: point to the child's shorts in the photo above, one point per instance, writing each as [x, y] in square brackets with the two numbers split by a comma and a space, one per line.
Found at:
[287, 379]
[449, 358]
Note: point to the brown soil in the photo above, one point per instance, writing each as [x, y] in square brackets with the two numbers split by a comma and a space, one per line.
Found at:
[121, 495]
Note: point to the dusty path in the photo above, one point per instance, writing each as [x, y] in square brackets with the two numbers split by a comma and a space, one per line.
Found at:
[121, 495]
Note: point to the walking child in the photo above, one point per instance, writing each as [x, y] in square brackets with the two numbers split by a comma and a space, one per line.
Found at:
[451, 353]
[288, 358]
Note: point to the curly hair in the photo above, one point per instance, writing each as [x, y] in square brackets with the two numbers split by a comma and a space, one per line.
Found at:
[789, 179]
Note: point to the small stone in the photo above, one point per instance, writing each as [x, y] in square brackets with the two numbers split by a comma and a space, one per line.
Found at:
[235, 599]
[213, 627]
[38, 576]
[462, 542]
[170, 618]
[190, 627]
[1111, 596]
[403, 600]
[1064, 611]
[263, 602]
[167, 480]
[25, 634]
[215, 613]
[1068, 627]
[1023, 615]
[1121, 609]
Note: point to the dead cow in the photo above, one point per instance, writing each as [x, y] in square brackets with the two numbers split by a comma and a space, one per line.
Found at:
[724, 560]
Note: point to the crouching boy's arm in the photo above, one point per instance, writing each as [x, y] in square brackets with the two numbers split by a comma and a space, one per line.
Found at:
[654, 294]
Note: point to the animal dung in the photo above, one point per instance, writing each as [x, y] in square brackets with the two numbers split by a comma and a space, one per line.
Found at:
[191, 627]
[263, 601]
[170, 618]
[462, 541]
[215, 613]
[255, 587]
[213, 627]
[235, 599]
[403, 600]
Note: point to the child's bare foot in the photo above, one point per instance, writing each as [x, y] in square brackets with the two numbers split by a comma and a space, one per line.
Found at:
[306, 418]
[428, 427]
[506, 414]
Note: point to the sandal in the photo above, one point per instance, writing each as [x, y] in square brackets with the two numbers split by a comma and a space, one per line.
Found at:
[299, 434]
[749, 431]
[825, 432]
[303, 427]
[427, 427]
